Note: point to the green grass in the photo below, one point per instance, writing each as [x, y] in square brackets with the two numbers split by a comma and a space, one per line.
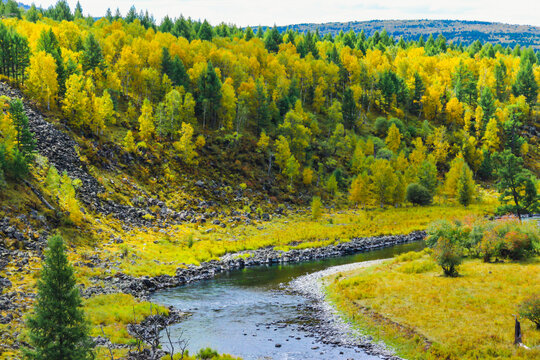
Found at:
[408, 304]
[113, 312]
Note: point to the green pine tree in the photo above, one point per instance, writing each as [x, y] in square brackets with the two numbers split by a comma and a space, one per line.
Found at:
[465, 186]
[58, 328]
[92, 57]
[25, 139]
[526, 84]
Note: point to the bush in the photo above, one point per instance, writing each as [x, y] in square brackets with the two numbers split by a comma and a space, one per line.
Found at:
[418, 194]
[316, 208]
[381, 126]
[530, 309]
[207, 354]
[508, 238]
[385, 154]
[448, 255]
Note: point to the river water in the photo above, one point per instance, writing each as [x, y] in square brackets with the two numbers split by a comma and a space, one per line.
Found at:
[252, 314]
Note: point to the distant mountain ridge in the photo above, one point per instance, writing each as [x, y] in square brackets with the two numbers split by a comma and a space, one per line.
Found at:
[454, 30]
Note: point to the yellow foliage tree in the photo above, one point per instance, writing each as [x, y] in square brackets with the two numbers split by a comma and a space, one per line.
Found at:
[146, 121]
[360, 192]
[491, 136]
[185, 145]
[393, 140]
[454, 111]
[129, 142]
[307, 176]
[42, 81]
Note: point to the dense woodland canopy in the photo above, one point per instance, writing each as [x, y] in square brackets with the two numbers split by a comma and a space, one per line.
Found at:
[356, 115]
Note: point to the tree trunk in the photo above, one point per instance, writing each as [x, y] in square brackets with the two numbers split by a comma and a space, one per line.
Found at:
[517, 333]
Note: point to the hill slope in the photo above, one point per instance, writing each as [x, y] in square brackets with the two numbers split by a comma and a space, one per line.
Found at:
[454, 30]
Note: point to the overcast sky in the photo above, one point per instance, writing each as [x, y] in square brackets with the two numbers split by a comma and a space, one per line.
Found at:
[281, 12]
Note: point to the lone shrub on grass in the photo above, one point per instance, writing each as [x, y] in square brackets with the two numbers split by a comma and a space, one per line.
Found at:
[530, 309]
[418, 194]
[58, 328]
[448, 255]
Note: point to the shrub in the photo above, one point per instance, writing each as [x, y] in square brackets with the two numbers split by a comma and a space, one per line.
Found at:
[316, 208]
[385, 154]
[381, 126]
[516, 245]
[530, 309]
[418, 194]
[490, 246]
[510, 239]
[207, 354]
[448, 255]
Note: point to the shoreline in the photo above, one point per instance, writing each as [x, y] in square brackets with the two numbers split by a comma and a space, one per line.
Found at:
[338, 331]
[142, 287]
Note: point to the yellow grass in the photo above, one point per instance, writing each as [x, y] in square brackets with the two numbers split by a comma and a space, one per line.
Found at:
[469, 317]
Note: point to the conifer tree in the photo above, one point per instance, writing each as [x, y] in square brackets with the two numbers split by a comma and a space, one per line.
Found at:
[516, 185]
[57, 327]
[25, 139]
[349, 109]
[92, 56]
[465, 186]
[526, 83]
[205, 31]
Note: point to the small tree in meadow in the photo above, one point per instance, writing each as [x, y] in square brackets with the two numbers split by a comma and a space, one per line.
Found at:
[58, 328]
[530, 309]
[448, 255]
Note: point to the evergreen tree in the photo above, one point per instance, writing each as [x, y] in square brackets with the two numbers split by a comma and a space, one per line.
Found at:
[419, 88]
[11, 9]
[92, 57]
[427, 176]
[513, 141]
[62, 11]
[526, 83]
[78, 13]
[174, 69]
[349, 109]
[500, 78]
[131, 15]
[25, 139]
[108, 15]
[488, 104]
[209, 94]
[516, 185]
[166, 24]
[58, 329]
[249, 34]
[205, 31]
[32, 14]
[273, 39]
[465, 186]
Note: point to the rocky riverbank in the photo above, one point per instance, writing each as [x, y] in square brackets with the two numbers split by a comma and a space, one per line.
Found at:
[335, 330]
[141, 287]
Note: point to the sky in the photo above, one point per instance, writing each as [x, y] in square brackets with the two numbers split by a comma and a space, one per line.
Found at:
[285, 12]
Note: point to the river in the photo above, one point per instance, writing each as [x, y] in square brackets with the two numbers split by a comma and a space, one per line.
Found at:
[251, 313]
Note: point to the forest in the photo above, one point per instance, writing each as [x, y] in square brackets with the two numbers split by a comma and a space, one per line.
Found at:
[350, 114]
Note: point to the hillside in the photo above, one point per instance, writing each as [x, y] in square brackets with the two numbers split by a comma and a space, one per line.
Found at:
[456, 31]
